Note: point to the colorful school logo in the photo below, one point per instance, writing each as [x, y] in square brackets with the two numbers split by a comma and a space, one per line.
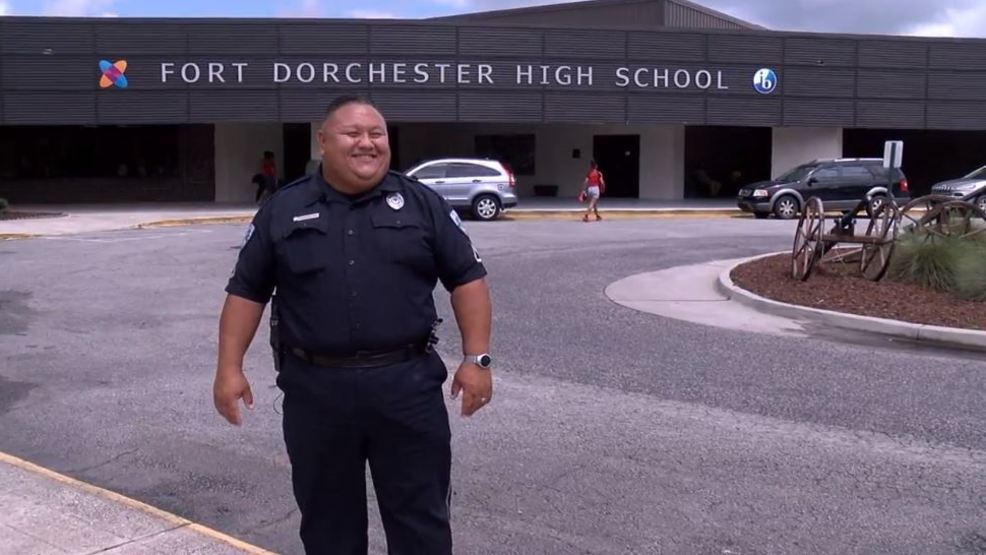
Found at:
[113, 74]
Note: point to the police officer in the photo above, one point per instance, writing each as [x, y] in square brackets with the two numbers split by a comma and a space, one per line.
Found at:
[354, 252]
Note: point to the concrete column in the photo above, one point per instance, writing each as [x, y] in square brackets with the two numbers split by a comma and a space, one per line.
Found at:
[662, 161]
[793, 146]
[239, 150]
[315, 157]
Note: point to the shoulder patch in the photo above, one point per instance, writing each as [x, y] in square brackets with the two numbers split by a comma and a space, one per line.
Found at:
[249, 234]
[455, 218]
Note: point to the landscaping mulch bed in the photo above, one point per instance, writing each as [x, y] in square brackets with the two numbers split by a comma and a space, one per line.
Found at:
[22, 215]
[839, 288]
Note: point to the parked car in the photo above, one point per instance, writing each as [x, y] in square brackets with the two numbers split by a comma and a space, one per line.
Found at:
[839, 183]
[974, 182]
[483, 187]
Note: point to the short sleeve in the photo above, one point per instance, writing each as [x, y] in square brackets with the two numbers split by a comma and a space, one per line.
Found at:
[253, 276]
[457, 260]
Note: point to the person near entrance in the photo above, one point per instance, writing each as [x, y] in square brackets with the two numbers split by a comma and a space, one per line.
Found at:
[592, 188]
[354, 253]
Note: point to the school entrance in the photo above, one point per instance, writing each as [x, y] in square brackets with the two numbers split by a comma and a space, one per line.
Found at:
[618, 157]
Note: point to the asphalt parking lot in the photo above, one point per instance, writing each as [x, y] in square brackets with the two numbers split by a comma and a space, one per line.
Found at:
[611, 431]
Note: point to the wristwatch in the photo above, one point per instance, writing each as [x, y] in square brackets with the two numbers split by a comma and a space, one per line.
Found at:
[483, 361]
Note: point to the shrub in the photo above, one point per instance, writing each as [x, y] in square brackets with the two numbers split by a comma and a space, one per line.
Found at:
[970, 276]
[3, 204]
[949, 264]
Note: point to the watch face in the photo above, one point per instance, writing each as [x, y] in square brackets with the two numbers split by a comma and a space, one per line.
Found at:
[485, 361]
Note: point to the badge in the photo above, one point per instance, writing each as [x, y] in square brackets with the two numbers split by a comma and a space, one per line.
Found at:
[395, 201]
[306, 217]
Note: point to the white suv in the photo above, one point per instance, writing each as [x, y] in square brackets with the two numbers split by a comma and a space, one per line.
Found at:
[485, 187]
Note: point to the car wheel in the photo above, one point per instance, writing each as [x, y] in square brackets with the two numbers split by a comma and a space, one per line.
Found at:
[876, 201]
[981, 202]
[786, 207]
[486, 207]
[761, 215]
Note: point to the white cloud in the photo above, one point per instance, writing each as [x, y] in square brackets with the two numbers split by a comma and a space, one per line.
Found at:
[968, 22]
[373, 14]
[459, 4]
[303, 8]
[77, 8]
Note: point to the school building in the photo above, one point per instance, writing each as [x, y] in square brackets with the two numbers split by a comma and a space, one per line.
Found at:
[674, 100]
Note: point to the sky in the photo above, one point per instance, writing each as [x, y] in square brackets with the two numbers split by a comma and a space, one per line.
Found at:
[956, 18]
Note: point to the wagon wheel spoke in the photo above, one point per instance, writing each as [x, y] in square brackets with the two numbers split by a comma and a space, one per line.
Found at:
[958, 219]
[883, 230]
[807, 240]
[923, 214]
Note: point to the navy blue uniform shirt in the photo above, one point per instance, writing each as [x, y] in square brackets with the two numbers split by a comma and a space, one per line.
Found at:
[354, 273]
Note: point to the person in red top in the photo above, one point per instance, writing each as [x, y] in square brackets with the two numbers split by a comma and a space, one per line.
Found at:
[268, 176]
[593, 186]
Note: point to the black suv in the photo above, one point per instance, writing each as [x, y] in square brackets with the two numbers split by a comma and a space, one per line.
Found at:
[840, 184]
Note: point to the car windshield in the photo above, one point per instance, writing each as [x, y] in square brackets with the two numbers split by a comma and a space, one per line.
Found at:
[978, 174]
[797, 174]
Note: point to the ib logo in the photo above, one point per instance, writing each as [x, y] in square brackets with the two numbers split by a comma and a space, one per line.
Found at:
[765, 81]
[113, 74]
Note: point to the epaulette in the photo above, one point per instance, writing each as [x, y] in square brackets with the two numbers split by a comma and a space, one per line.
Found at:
[400, 175]
[287, 186]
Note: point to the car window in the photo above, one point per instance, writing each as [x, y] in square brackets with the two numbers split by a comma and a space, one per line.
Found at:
[434, 171]
[856, 173]
[826, 174]
[978, 174]
[880, 173]
[470, 170]
[796, 174]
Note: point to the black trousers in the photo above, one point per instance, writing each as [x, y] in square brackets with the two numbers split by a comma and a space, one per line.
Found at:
[394, 417]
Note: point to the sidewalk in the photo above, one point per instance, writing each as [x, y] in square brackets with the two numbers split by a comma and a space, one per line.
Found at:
[46, 512]
[91, 218]
[108, 217]
[704, 294]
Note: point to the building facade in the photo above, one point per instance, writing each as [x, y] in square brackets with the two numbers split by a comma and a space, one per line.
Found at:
[673, 100]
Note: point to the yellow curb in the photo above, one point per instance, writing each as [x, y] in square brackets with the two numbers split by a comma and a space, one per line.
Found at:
[197, 221]
[15, 236]
[132, 503]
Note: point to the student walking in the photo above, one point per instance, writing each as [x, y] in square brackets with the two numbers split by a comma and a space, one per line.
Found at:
[592, 188]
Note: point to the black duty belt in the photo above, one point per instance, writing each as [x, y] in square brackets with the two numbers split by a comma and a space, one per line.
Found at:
[361, 359]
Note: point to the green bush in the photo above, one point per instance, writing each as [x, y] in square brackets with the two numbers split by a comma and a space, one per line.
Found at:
[970, 276]
[949, 264]
[3, 204]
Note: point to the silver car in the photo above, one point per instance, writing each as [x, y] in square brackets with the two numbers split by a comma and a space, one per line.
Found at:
[483, 187]
[971, 183]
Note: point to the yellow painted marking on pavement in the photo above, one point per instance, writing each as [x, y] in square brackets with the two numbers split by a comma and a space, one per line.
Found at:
[205, 220]
[132, 503]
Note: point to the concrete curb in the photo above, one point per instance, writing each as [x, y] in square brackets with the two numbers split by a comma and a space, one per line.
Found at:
[508, 215]
[619, 214]
[205, 220]
[15, 236]
[936, 335]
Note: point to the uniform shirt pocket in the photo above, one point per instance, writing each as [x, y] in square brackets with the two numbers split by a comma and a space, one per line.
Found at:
[304, 246]
[401, 238]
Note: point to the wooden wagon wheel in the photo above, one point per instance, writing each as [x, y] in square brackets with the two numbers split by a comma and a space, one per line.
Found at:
[881, 235]
[808, 239]
[958, 219]
[917, 214]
